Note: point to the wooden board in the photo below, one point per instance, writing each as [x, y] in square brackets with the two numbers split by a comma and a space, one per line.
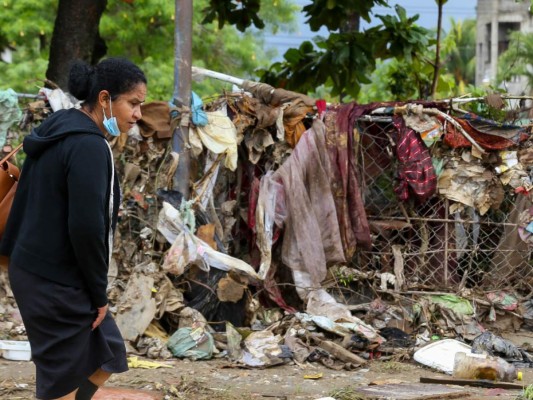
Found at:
[474, 382]
[413, 391]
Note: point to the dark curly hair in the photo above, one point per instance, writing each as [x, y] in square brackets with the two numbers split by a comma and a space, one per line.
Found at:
[116, 75]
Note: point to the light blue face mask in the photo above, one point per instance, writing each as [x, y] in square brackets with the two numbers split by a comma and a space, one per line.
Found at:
[111, 124]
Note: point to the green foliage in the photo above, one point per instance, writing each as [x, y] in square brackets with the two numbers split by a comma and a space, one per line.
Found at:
[240, 13]
[22, 21]
[144, 32]
[345, 278]
[516, 61]
[345, 60]
[326, 12]
[127, 28]
[401, 79]
[459, 51]
[338, 65]
[527, 393]
[378, 89]
[280, 14]
[481, 107]
[25, 74]
[25, 26]
[399, 36]
[243, 13]
[336, 60]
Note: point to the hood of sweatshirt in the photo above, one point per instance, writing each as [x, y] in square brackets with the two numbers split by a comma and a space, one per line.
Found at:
[60, 124]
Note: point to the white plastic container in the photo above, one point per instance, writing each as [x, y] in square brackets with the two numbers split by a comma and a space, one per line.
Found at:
[15, 350]
[441, 355]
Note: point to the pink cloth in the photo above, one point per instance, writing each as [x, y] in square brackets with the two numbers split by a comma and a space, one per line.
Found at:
[311, 237]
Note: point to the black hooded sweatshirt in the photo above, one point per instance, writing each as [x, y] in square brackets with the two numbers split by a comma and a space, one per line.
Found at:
[60, 225]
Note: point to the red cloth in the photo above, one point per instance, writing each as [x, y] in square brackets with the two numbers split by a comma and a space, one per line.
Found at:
[415, 169]
[252, 203]
[351, 214]
[274, 291]
[321, 107]
[454, 138]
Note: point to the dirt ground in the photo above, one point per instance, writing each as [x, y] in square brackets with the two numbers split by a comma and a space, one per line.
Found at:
[215, 380]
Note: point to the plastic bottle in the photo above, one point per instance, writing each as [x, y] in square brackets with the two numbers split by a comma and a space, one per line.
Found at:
[481, 366]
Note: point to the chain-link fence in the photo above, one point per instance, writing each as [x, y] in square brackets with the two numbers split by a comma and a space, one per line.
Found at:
[436, 245]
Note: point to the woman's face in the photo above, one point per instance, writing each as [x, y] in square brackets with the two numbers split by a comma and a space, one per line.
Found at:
[127, 107]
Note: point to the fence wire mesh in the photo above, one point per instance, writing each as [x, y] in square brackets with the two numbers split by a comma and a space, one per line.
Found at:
[436, 245]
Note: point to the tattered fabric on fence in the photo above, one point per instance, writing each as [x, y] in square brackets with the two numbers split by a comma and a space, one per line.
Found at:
[219, 136]
[415, 168]
[297, 106]
[351, 215]
[488, 134]
[312, 238]
[156, 120]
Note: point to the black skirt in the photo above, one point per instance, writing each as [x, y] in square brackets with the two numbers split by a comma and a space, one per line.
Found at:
[64, 348]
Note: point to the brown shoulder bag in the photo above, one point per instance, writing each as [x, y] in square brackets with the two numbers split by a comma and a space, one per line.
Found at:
[9, 176]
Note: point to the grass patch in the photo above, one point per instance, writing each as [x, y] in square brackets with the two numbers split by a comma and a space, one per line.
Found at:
[188, 389]
[227, 394]
[391, 366]
[346, 393]
[527, 393]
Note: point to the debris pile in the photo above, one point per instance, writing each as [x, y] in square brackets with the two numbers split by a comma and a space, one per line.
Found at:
[296, 246]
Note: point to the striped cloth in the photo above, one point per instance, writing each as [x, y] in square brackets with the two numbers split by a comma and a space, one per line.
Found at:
[415, 171]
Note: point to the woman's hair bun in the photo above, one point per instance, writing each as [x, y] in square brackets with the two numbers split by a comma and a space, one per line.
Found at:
[80, 79]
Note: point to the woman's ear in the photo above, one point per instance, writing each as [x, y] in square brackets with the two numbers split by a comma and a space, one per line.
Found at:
[103, 98]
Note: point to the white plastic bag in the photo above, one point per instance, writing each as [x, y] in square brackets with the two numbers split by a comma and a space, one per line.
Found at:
[184, 251]
[188, 249]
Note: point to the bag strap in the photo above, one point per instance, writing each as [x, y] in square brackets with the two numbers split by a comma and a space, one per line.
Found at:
[13, 152]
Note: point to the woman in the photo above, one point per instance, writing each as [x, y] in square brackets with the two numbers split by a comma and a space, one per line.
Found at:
[60, 230]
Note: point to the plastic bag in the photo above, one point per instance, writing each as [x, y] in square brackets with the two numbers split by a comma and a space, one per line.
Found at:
[183, 251]
[193, 343]
[494, 345]
[199, 118]
[188, 249]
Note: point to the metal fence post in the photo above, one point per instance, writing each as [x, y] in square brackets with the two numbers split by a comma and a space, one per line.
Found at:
[182, 90]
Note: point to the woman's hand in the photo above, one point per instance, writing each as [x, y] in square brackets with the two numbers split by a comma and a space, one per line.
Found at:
[102, 311]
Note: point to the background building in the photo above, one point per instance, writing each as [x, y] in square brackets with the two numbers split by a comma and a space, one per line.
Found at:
[496, 20]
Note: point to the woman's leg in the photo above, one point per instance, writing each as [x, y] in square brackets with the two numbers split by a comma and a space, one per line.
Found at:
[99, 377]
[88, 388]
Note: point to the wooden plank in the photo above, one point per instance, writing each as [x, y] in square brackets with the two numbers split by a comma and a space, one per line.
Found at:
[413, 391]
[341, 353]
[474, 382]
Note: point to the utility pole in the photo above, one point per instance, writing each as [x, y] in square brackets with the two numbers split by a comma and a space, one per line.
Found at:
[182, 91]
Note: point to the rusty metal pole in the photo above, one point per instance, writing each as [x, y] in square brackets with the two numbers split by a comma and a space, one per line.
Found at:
[182, 90]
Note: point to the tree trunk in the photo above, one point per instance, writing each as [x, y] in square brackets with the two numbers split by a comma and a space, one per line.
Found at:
[350, 24]
[437, 52]
[75, 37]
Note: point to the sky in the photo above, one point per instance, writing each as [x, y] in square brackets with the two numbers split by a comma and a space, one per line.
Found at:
[427, 9]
